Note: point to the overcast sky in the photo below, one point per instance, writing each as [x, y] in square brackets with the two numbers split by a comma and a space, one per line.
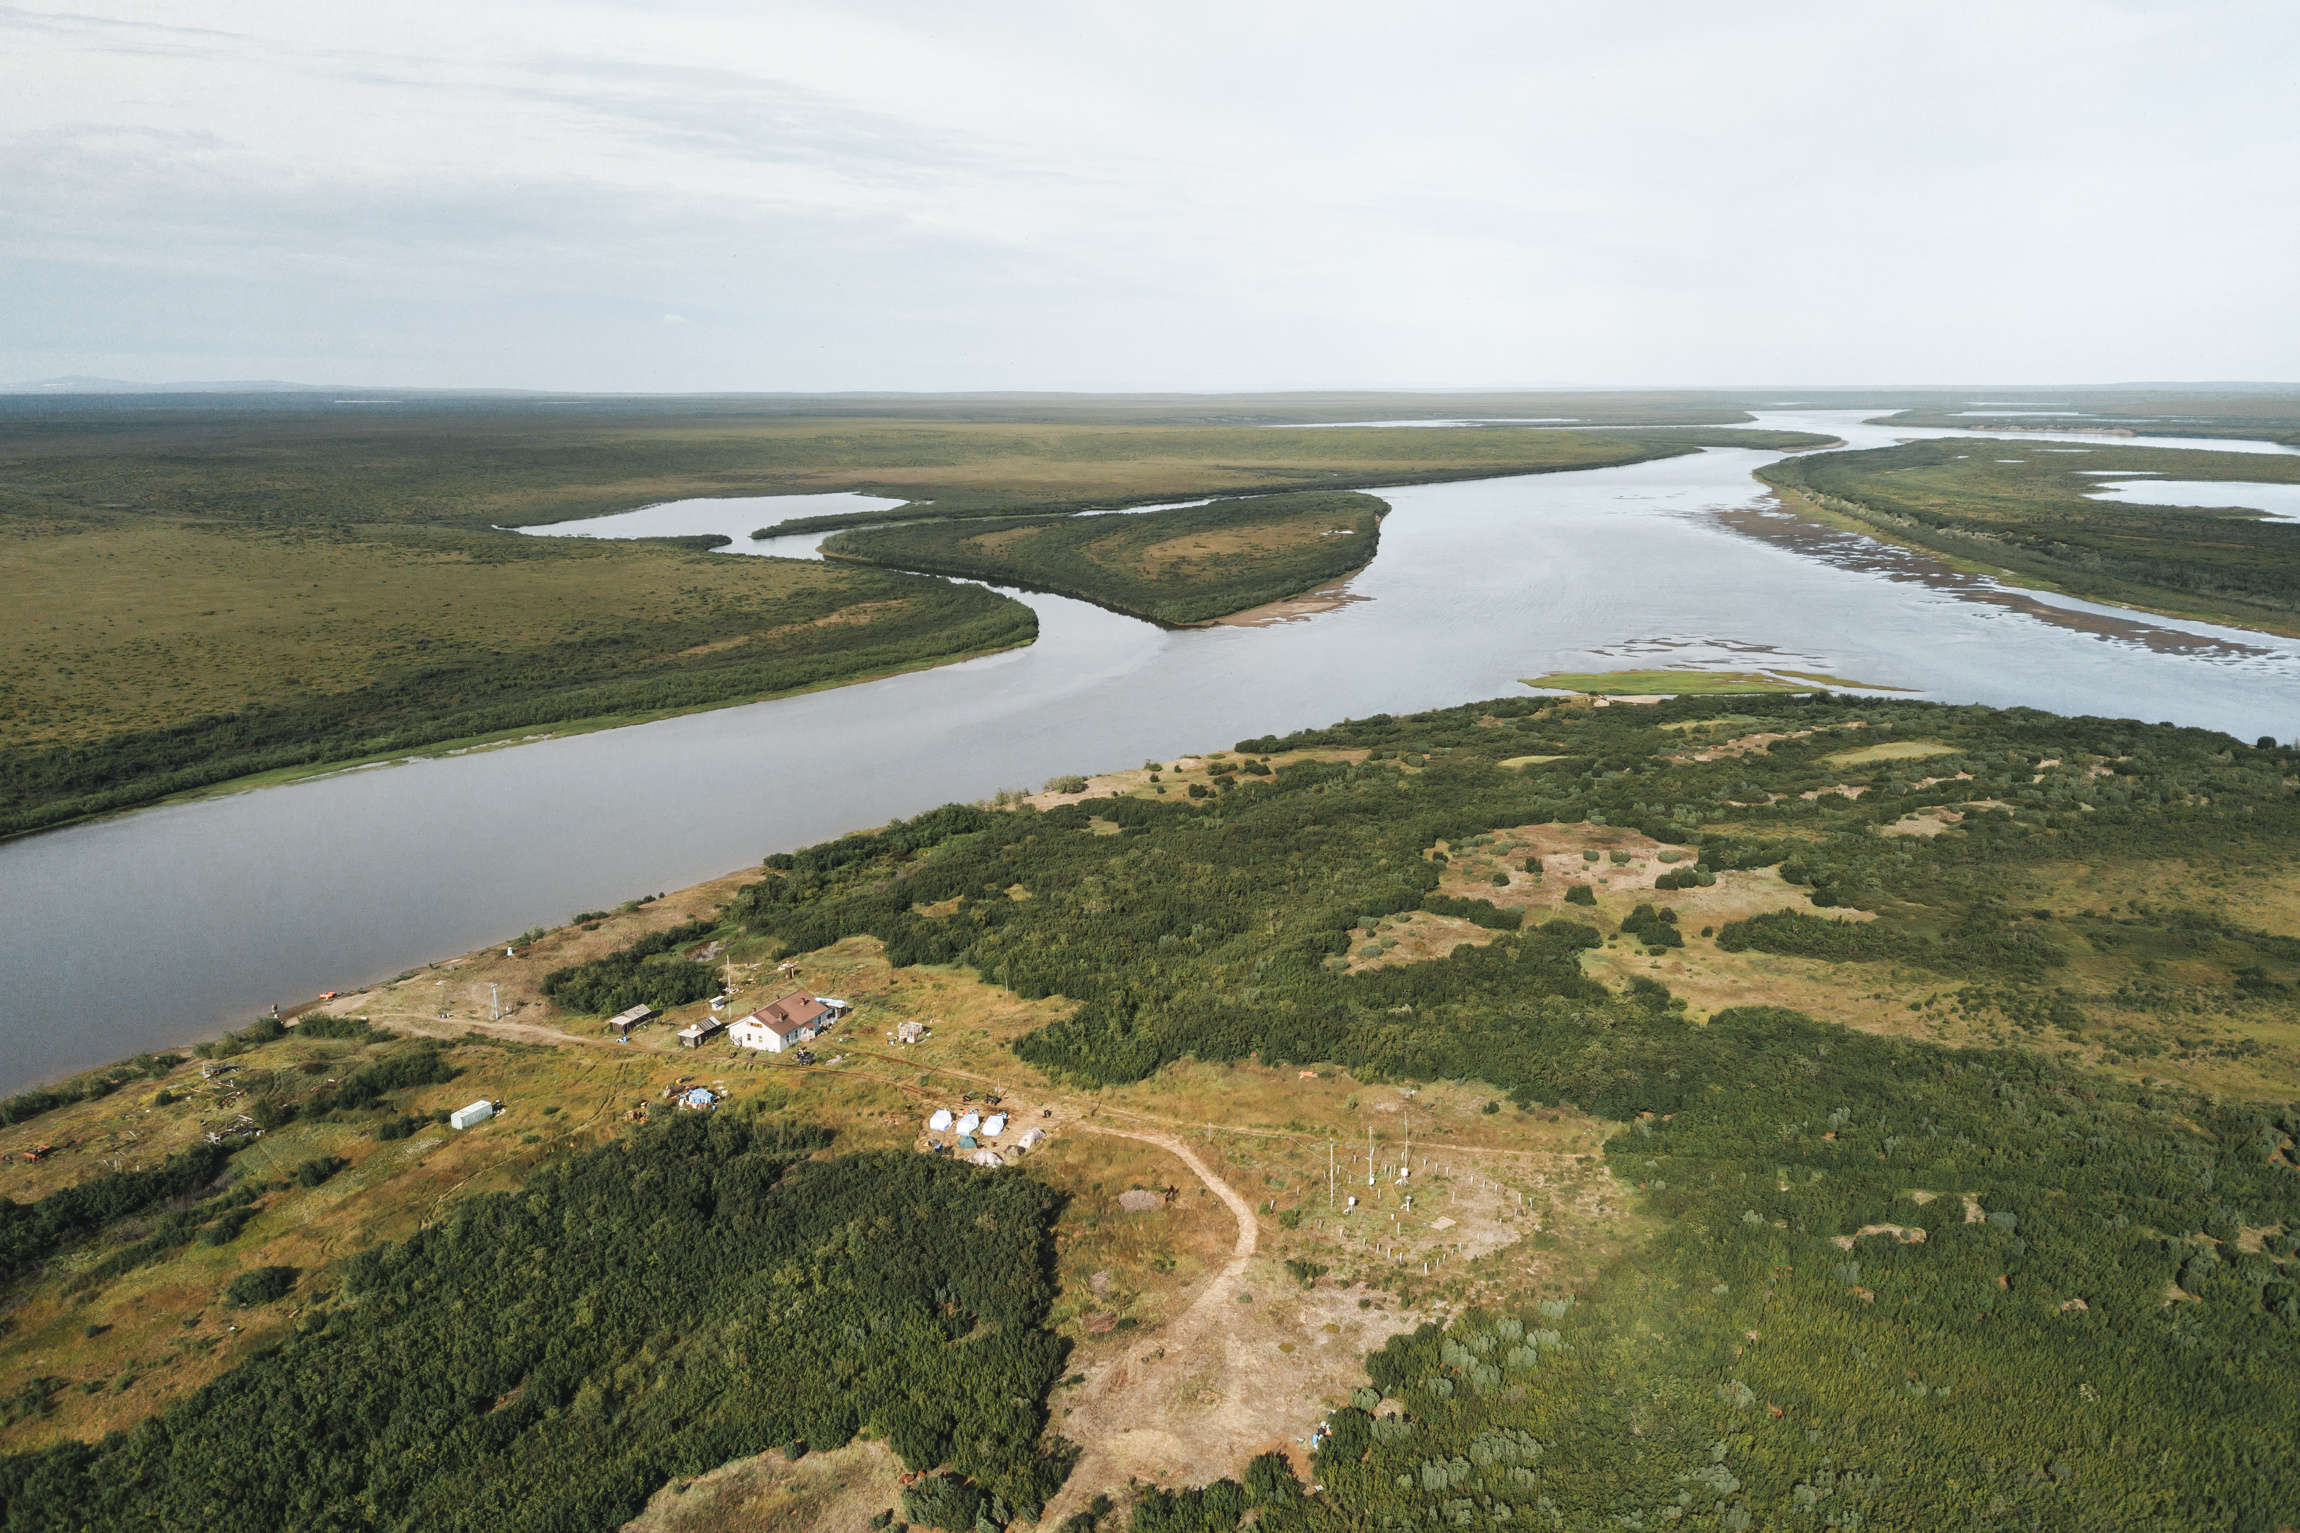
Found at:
[868, 195]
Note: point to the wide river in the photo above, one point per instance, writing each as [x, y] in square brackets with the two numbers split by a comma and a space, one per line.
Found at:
[165, 926]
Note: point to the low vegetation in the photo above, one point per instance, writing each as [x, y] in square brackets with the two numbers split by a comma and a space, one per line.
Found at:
[2064, 1257]
[1997, 1226]
[2023, 511]
[509, 1369]
[1179, 566]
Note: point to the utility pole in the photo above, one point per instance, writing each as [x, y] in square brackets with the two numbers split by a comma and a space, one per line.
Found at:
[1329, 1173]
[494, 1006]
[1369, 1155]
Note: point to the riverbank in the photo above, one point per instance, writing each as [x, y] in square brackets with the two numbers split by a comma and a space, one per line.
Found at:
[2029, 522]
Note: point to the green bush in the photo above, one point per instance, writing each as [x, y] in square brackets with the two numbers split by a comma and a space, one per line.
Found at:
[312, 1173]
[260, 1285]
[1580, 894]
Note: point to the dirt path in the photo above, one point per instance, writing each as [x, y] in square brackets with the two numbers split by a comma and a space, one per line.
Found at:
[1106, 1408]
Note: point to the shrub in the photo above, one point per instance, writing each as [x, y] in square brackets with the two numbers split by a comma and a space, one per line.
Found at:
[260, 1286]
[1501, 880]
[318, 1169]
[1580, 894]
[1656, 928]
[1069, 782]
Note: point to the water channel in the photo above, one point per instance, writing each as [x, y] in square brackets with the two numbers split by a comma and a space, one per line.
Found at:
[167, 925]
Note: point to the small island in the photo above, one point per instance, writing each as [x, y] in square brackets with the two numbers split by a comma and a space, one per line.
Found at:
[1178, 567]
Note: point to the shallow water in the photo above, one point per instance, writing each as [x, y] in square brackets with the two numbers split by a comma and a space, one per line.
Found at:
[2280, 501]
[163, 926]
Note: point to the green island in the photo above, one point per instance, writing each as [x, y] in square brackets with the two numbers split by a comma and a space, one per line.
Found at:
[213, 593]
[2021, 512]
[1181, 566]
[1756, 1111]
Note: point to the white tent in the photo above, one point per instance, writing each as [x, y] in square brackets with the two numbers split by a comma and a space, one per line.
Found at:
[1031, 1138]
[994, 1126]
[940, 1120]
[987, 1158]
[971, 1122]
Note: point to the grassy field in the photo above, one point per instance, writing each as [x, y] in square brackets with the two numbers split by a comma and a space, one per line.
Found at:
[1187, 565]
[2021, 512]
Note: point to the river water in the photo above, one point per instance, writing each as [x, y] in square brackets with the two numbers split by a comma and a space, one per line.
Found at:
[167, 925]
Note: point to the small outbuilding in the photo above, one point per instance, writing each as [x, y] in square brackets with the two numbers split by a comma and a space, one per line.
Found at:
[471, 1117]
[695, 1034]
[940, 1121]
[910, 1032]
[622, 1022]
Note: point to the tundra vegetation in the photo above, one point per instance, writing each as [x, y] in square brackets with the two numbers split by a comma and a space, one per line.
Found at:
[1179, 566]
[2021, 1275]
[2023, 511]
[205, 591]
[1904, 1284]
[2038, 1272]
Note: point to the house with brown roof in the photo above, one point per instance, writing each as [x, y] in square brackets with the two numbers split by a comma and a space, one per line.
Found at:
[783, 1024]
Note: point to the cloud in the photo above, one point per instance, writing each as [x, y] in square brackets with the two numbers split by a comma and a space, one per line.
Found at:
[1030, 195]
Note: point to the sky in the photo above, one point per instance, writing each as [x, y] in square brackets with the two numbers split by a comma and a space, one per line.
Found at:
[1181, 196]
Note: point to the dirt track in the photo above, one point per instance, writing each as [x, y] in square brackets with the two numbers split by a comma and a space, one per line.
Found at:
[1107, 1400]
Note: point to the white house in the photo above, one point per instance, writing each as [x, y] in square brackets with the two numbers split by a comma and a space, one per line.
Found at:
[793, 1020]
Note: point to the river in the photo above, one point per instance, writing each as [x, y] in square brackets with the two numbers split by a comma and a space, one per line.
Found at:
[164, 926]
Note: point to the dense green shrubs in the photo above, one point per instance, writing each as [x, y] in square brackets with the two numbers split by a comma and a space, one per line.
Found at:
[420, 1064]
[547, 1358]
[1477, 912]
[1654, 928]
[31, 1232]
[260, 1285]
[317, 1170]
[648, 972]
[27, 1105]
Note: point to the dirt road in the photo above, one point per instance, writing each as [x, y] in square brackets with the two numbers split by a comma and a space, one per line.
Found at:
[1106, 1410]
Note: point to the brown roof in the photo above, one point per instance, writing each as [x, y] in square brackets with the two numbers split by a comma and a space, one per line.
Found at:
[790, 1014]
